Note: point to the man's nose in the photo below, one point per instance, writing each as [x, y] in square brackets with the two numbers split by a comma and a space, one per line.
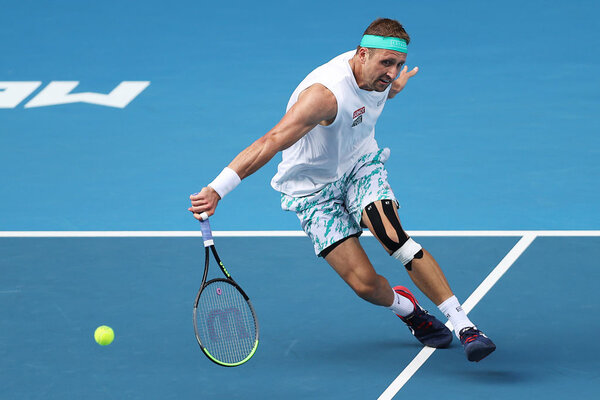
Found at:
[393, 72]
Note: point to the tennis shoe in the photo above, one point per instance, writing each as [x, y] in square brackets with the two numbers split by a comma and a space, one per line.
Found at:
[477, 345]
[425, 327]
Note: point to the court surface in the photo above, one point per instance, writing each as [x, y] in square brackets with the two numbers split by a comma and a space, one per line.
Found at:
[494, 159]
[318, 340]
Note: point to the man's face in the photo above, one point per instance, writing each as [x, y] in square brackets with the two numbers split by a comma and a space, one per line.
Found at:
[381, 68]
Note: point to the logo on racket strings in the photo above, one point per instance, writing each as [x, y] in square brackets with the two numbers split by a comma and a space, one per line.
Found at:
[224, 323]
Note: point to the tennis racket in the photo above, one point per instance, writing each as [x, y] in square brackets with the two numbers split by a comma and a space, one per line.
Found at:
[224, 319]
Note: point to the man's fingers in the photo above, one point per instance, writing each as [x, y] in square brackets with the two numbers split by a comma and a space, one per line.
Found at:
[198, 209]
[199, 218]
[411, 73]
[202, 202]
[199, 202]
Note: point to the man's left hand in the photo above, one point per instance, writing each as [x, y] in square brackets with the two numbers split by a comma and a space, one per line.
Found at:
[401, 81]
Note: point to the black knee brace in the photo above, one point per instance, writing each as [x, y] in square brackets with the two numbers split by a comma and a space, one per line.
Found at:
[379, 229]
[405, 249]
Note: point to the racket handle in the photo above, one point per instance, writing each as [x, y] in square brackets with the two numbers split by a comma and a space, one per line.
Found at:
[206, 231]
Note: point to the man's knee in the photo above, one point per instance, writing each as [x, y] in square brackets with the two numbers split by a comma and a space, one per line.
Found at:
[401, 246]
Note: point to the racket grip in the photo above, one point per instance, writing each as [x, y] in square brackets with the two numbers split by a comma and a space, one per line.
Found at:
[206, 231]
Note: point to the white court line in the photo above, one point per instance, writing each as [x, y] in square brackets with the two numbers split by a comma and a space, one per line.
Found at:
[468, 305]
[148, 233]
[572, 233]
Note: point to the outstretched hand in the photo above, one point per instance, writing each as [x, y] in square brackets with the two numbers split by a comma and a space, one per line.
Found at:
[205, 201]
[402, 79]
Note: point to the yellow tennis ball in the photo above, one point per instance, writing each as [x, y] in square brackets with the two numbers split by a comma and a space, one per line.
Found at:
[104, 335]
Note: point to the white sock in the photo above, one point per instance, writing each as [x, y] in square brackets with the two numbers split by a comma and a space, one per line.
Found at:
[454, 312]
[401, 305]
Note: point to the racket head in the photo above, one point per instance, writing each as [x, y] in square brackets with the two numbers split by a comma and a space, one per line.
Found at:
[225, 323]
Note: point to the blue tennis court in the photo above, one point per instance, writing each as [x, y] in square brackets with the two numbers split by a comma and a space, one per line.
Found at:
[112, 113]
[318, 340]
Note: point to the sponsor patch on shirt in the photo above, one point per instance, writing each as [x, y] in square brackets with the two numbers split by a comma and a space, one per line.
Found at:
[357, 121]
[358, 112]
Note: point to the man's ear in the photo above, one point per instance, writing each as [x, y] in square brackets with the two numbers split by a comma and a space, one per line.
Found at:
[363, 54]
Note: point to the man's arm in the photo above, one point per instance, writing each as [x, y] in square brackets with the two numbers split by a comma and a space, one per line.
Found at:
[401, 81]
[315, 105]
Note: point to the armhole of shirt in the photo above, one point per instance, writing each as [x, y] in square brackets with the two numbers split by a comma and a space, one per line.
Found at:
[330, 88]
[333, 89]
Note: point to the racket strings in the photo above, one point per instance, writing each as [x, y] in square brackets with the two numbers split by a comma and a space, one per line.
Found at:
[226, 325]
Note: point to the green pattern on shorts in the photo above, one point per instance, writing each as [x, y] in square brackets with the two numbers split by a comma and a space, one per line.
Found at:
[335, 211]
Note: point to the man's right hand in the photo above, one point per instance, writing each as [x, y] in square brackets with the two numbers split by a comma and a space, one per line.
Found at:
[205, 201]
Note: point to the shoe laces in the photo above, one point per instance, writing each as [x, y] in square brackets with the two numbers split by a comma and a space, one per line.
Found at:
[417, 321]
[469, 334]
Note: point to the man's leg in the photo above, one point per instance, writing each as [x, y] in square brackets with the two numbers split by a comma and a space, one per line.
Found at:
[425, 271]
[381, 217]
[350, 261]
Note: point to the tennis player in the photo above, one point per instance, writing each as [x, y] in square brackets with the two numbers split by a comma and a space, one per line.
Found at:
[332, 175]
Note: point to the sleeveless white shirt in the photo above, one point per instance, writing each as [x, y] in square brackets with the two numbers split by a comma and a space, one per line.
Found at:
[326, 153]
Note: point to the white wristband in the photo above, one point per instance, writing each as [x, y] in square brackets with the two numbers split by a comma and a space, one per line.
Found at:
[227, 180]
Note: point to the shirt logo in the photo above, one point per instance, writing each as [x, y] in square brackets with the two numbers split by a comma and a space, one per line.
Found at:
[358, 112]
[357, 121]
[357, 116]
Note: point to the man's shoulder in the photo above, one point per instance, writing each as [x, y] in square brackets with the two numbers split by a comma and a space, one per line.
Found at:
[330, 76]
[319, 91]
[345, 56]
[332, 72]
[337, 63]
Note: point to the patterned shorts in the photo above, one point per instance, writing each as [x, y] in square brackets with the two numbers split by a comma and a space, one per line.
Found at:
[334, 212]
